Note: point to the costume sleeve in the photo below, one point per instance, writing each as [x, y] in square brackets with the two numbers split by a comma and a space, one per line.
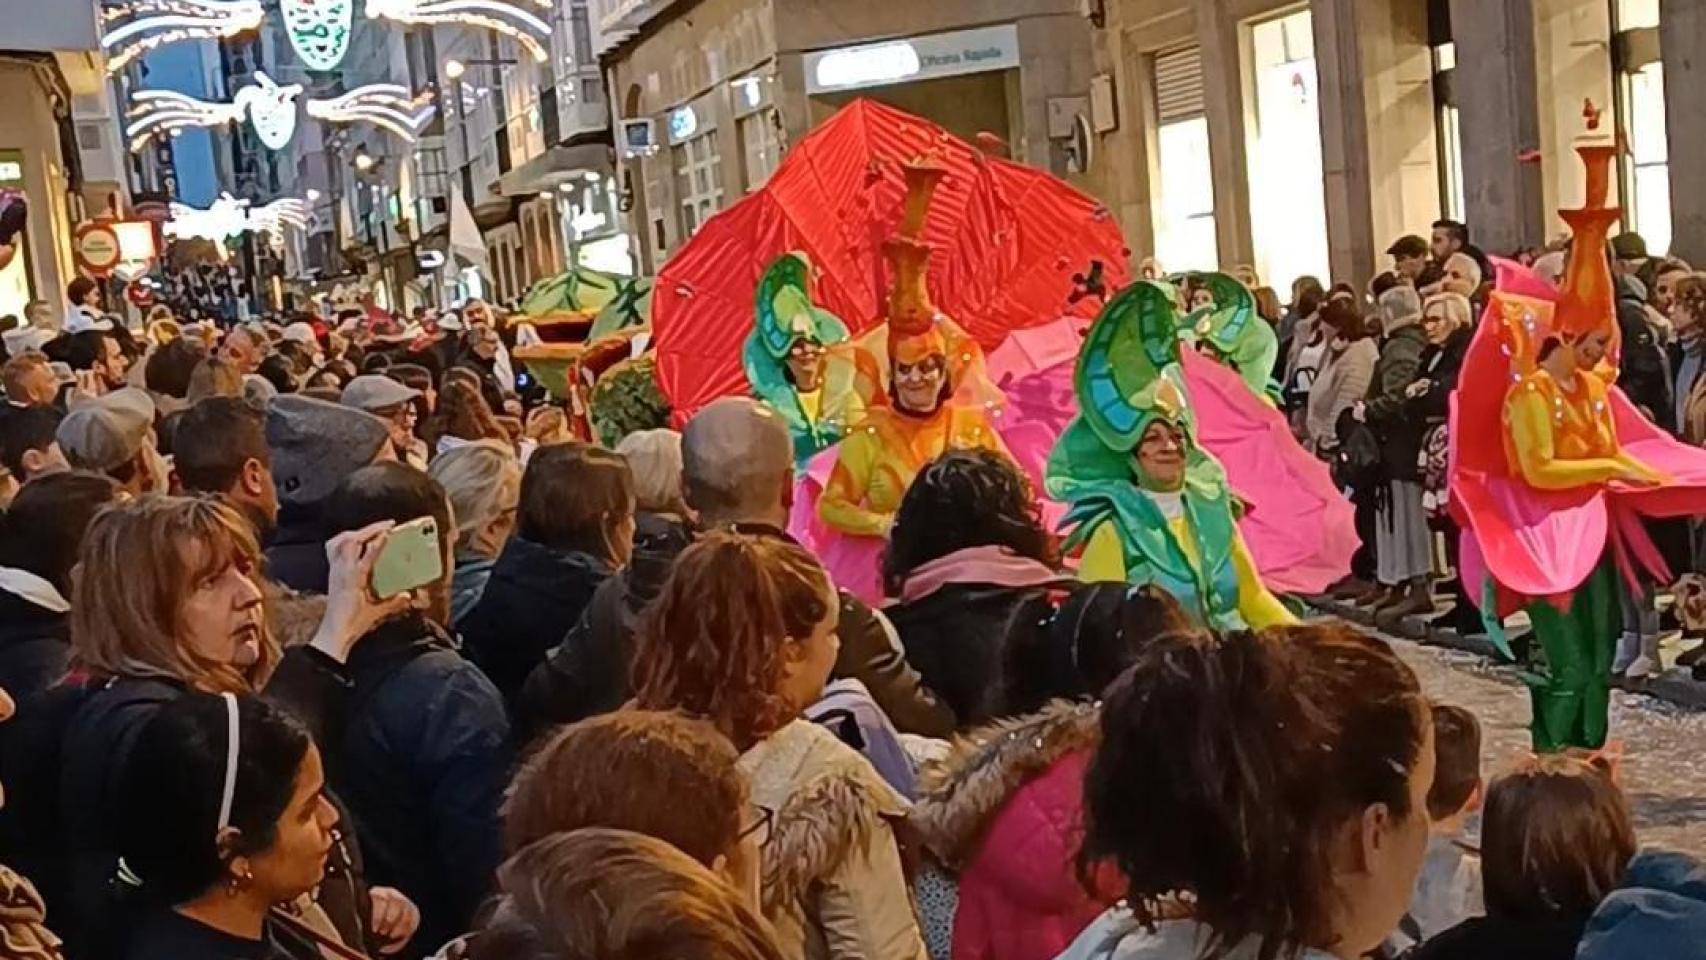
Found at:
[1104, 557]
[842, 504]
[1531, 434]
[1256, 603]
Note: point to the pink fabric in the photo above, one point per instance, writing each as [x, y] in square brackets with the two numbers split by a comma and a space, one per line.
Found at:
[1545, 543]
[1300, 530]
[995, 566]
[1020, 898]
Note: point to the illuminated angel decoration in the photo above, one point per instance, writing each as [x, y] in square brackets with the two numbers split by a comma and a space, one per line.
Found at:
[385, 105]
[271, 109]
[508, 17]
[129, 30]
[230, 216]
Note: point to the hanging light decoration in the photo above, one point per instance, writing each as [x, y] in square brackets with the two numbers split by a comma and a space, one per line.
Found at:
[131, 29]
[270, 108]
[230, 217]
[319, 30]
[508, 17]
[275, 216]
[385, 105]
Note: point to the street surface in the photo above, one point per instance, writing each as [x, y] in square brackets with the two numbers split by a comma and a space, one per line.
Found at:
[1662, 743]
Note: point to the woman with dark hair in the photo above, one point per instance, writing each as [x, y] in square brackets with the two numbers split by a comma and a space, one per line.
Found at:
[1343, 375]
[1001, 813]
[743, 635]
[967, 548]
[462, 416]
[575, 527]
[1261, 795]
[226, 828]
[1556, 839]
[39, 539]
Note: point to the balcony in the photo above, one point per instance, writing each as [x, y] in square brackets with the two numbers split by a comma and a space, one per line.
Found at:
[620, 19]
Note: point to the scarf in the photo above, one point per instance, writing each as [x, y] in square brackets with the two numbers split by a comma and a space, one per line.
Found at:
[23, 935]
[993, 565]
[27, 586]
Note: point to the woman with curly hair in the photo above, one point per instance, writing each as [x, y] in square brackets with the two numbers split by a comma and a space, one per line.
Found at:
[743, 635]
[968, 548]
[463, 416]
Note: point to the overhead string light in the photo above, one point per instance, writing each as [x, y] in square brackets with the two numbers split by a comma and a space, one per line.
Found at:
[269, 107]
[133, 28]
[508, 17]
[385, 105]
[275, 216]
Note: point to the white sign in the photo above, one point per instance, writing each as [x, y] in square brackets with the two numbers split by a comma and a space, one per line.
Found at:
[683, 124]
[916, 58]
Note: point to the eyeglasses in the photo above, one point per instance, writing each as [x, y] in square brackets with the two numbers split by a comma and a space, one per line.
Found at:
[761, 827]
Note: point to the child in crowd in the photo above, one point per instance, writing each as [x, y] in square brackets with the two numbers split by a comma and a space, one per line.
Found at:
[1448, 891]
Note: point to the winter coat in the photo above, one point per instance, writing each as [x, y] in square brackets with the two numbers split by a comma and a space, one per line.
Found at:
[534, 594]
[1117, 935]
[1398, 366]
[35, 643]
[1642, 373]
[1342, 381]
[833, 882]
[415, 740]
[1005, 811]
[587, 673]
[1690, 395]
[1501, 938]
[1658, 911]
[296, 553]
[1439, 365]
[468, 584]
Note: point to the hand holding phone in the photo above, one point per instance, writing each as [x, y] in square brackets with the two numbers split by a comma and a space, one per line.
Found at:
[409, 558]
[352, 610]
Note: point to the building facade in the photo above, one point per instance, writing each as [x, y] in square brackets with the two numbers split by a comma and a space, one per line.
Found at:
[708, 95]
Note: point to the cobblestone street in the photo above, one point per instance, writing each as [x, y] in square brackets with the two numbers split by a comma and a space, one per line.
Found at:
[1662, 743]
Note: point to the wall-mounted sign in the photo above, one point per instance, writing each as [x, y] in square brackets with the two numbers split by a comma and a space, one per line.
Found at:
[97, 248]
[683, 124]
[916, 58]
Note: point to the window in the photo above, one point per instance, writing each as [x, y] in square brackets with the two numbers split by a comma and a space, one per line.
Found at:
[1641, 114]
[699, 188]
[1288, 211]
[582, 29]
[1184, 194]
[1448, 125]
[592, 91]
[761, 145]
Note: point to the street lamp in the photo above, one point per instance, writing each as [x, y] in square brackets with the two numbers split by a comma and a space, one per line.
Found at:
[363, 159]
[454, 69]
[313, 195]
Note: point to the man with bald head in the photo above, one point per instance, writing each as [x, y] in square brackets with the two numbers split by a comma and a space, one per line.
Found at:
[737, 472]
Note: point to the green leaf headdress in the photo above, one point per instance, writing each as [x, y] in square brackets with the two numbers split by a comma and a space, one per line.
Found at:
[1224, 325]
[786, 312]
[1128, 370]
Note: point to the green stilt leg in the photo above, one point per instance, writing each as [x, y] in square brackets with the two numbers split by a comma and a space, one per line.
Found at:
[1571, 705]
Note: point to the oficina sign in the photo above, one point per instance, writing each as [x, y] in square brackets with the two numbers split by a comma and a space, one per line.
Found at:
[916, 58]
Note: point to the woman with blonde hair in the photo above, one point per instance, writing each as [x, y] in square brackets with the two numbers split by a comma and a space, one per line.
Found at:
[613, 895]
[166, 601]
[744, 635]
[483, 480]
[655, 458]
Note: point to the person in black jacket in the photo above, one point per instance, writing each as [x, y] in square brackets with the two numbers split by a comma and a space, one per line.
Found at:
[575, 527]
[415, 737]
[1641, 372]
[968, 548]
[1403, 551]
[1446, 322]
[737, 472]
[39, 539]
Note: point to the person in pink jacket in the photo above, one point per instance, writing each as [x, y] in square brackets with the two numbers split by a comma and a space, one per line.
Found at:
[1003, 812]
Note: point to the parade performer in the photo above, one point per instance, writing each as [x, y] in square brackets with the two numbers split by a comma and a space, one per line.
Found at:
[795, 359]
[1147, 503]
[1552, 468]
[923, 379]
[1226, 328]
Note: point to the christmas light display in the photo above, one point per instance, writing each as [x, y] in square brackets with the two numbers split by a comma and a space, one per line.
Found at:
[386, 105]
[131, 29]
[230, 217]
[270, 108]
[319, 30]
[509, 18]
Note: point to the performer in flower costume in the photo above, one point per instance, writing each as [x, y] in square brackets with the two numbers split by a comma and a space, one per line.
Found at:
[923, 379]
[1228, 330]
[1552, 468]
[797, 359]
[1147, 504]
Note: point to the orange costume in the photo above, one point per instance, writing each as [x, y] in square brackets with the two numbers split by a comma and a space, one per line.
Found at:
[879, 457]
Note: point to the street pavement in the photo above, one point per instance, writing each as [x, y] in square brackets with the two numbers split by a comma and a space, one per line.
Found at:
[1663, 769]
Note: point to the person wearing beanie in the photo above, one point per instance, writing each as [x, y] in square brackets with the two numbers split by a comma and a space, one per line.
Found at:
[314, 446]
[114, 435]
[1402, 547]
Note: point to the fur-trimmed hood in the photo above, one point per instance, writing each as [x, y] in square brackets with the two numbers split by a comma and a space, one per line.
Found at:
[962, 793]
[826, 802]
[292, 617]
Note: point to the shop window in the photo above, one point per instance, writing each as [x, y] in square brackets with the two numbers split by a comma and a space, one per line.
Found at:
[1184, 192]
[761, 145]
[1288, 210]
[699, 189]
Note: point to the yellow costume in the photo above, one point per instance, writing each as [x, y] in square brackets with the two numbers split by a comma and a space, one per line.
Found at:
[1104, 561]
